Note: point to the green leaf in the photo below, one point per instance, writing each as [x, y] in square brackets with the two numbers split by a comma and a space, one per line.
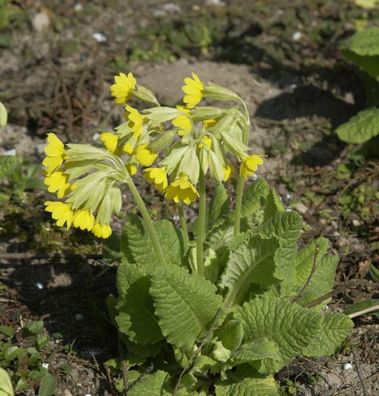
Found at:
[47, 386]
[185, 304]
[137, 247]
[8, 165]
[335, 328]
[231, 334]
[365, 42]
[273, 205]
[254, 197]
[361, 128]
[286, 324]
[34, 327]
[6, 388]
[259, 349]
[136, 316]
[251, 262]
[149, 385]
[3, 115]
[248, 386]
[219, 204]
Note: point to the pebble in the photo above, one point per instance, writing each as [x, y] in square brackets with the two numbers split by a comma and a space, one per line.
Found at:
[79, 317]
[297, 36]
[347, 366]
[300, 207]
[78, 7]
[99, 37]
[39, 285]
[40, 21]
[11, 152]
[45, 365]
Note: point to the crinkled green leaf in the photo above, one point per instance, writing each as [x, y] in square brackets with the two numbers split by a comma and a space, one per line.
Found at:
[273, 205]
[251, 262]
[150, 385]
[259, 349]
[231, 334]
[365, 42]
[254, 197]
[288, 325]
[219, 204]
[137, 247]
[335, 328]
[185, 304]
[361, 128]
[8, 165]
[248, 386]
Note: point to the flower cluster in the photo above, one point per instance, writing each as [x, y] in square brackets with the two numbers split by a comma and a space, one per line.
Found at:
[175, 146]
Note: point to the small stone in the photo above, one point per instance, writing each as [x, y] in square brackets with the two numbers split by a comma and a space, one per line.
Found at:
[78, 7]
[40, 21]
[297, 36]
[300, 207]
[347, 366]
[39, 285]
[356, 223]
[11, 152]
[79, 317]
[99, 37]
[45, 365]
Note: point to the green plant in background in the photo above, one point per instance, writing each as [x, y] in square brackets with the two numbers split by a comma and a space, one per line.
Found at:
[8, 13]
[219, 304]
[21, 359]
[363, 49]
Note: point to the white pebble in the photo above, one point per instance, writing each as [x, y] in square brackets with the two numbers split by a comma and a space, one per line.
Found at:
[39, 285]
[99, 37]
[78, 7]
[288, 210]
[347, 366]
[11, 152]
[45, 365]
[254, 176]
[96, 137]
[79, 317]
[297, 36]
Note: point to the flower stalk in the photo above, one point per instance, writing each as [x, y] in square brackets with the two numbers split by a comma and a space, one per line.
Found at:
[201, 225]
[238, 205]
[184, 228]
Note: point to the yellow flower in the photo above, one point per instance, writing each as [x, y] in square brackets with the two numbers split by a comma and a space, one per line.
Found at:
[61, 212]
[135, 120]
[57, 182]
[128, 148]
[250, 165]
[102, 231]
[209, 123]
[205, 141]
[123, 87]
[110, 141]
[183, 122]
[83, 219]
[144, 156]
[132, 169]
[194, 90]
[157, 176]
[54, 153]
[228, 172]
[182, 190]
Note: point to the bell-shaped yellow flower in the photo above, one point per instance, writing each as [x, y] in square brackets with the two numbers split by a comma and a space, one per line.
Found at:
[61, 212]
[54, 153]
[250, 165]
[57, 182]
[135, 120]
[132, 169]
[144, 156]
[110, 141]
[123, 87]
[205, 141]
[157, 176]
[83, 219]
[194, 91]
[228, 172]
[182, 190]
[183, 122]
[102, 231]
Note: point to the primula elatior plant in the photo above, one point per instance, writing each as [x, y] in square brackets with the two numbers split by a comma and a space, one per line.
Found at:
[221, 304]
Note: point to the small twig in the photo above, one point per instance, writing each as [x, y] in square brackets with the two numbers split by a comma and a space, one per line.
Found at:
[364, 311]
[359, 371]
[313, 269]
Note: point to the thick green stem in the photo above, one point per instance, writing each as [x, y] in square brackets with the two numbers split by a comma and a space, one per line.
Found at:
[149, 227]
[183, 225]
[201, 225]
[237, 210]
